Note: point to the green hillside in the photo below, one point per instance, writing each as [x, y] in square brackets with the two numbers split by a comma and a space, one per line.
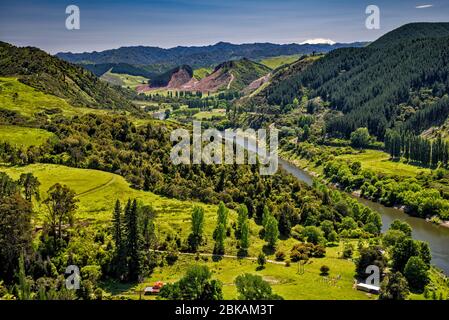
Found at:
[244, 72]
[22, 136]
[374, 86]
[29, 102]
[276, 62]
[50, 75]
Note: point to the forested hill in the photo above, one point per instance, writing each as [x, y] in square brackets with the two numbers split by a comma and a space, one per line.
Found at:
[379, 86]
[51, 75]
[196, 57]
[413, 31]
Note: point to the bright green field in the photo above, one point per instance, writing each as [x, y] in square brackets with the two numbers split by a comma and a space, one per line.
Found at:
[27, 101]
[124, 80]
[285, 281]
[379, 162]
[22, 136]
[201, 73]
[275, 62]
[207, 115]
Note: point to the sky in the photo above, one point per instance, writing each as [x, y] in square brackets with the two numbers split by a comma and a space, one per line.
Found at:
[169, 23]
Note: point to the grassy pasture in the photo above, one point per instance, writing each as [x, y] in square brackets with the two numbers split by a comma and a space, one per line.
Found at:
[275, 62]
[380, 162]
[207, 115]
[285, 281]
[124, 80]
[22, 136]
[27, 101]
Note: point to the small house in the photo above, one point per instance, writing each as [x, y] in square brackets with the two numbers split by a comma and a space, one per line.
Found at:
[368, 288]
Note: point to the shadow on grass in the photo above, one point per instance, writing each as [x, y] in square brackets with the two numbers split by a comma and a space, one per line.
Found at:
[217, 257]
[267, 250]
[242, 253]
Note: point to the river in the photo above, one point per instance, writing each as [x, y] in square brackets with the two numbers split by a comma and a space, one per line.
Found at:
[437, 236]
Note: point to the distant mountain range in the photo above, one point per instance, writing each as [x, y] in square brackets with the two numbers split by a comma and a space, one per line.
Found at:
[196, 57]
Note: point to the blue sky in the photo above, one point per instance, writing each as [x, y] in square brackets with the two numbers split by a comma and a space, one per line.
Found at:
[112, 24]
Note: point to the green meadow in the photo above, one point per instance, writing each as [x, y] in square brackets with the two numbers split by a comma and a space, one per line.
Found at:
[380, 162]
[124, 80]
[286, 281]
[278, 61]
[23, 136]
[27, 101]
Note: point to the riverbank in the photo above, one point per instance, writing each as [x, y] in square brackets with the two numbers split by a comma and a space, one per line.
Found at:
[303, 165]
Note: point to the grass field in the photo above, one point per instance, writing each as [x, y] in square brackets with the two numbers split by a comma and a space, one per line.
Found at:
[124, 80]
[379, 162]
[207, 115]
[22, 136]
[275, 62]
[285, 281]
[27, 101]
[201, 73]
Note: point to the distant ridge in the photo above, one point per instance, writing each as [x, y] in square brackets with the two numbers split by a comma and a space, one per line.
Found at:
[196, 57]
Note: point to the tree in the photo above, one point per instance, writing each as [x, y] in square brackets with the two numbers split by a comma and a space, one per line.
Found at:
[195, 285]
[61, 205]
[324, 270]
[313, 234]
[244, 236]
[23, 287]
[403, 251]
[261, 260]
[369, 256]
[15, 233]
[220, 236]
[222, 215]
[401, 226]
[271, 232]
[196, 236]
[253, 287]
[416, 273]
[132, 241]
[394, 287]
[120, 250]
[242, 212]
[30, 185]
[360, 138]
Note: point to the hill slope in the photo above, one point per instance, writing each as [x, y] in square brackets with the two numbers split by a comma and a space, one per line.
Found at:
[231, 75]
[51, 75]
[379, 86]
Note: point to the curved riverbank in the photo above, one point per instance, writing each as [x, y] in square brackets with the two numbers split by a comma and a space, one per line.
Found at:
[436, 235]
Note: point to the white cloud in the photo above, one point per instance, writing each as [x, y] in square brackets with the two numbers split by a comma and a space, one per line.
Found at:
[318, 41]
[424, 6]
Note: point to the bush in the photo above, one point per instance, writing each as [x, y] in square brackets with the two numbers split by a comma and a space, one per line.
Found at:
[280, 255]
[324, 270]
[261, 260]
[171, 257]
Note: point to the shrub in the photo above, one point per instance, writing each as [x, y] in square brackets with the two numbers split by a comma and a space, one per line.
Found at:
[324, 270]
[280, 255]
